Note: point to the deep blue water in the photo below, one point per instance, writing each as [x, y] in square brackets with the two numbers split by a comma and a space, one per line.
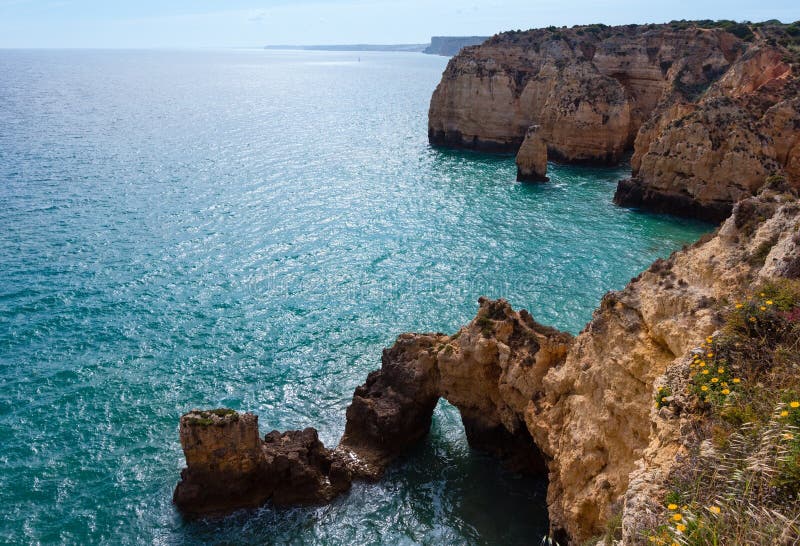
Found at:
[249, 229]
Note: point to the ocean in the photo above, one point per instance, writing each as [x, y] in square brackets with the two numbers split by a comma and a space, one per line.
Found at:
[248, 229]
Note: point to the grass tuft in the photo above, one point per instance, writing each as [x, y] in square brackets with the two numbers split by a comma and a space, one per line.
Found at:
[740, 483]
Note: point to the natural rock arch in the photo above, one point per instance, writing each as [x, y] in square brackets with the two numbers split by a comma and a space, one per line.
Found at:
[490, 370]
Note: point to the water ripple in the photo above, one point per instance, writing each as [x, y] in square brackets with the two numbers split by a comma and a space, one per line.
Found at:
[249, 229]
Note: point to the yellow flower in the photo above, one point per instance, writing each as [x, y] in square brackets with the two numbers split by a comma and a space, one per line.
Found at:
[704, 388]
[672, 507]
[714, 509]
[762, 294]
[763, 308]
[794, 404]
[788, 436]
[709, 339]
[784, 413]
[726, 392]
[702, 363]
[737, 380]
[739, 305]
[769, 302]
[710, 355]
[705, 372]
[720, 370]
[715, 379]
[677, 517]
[752, 319]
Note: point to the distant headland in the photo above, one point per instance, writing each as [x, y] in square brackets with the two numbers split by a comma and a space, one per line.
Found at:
[439, 45]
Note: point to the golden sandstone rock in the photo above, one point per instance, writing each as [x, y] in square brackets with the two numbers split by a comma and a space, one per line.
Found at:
[578, 408]
[706, 114]
[712, 117]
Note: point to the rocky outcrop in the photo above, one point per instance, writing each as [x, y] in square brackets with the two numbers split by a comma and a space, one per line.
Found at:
[707, 114]
[579, 408]
[760, 242]
[228, 467]
[707, 157]
[589, 88]
[393, 409]
[488, 370]
[532, 157]
[451, 45]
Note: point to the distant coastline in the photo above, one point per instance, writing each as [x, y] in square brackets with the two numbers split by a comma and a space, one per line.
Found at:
[408, 48]
[439, 45]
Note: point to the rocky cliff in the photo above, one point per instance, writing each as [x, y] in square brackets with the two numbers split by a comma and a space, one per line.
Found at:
[451, 45]
[708, 109]
[580, 409]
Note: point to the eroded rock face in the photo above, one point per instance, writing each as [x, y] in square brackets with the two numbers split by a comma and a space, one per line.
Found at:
[760, 242]
[532, 157]
[579, 408]
[228, 467]
[701, 160]
[589, 88]
[489, 370]
[707, 115]
[393, 409]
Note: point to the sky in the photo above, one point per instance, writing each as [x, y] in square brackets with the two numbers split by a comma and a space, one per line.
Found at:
[254, 23]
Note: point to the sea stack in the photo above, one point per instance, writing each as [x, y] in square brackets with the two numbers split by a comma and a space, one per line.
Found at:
[228, 467]
[532, 157]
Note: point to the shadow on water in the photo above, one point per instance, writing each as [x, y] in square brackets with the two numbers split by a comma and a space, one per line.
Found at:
[449, 481]
[441, 491]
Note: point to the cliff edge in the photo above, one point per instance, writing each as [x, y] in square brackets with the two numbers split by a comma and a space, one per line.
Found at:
[578, 408]
[709, 109]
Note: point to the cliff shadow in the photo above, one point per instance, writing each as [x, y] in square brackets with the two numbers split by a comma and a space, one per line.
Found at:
[445, 479]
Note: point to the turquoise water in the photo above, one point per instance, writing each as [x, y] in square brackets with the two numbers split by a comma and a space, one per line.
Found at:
[249, 229]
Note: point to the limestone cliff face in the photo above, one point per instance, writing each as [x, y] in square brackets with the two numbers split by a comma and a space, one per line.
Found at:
[707, 115]
[596, 420]
[700, 160]
[761, 241]
[589, 88]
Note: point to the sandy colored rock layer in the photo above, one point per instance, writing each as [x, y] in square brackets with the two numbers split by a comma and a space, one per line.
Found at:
[707, 115]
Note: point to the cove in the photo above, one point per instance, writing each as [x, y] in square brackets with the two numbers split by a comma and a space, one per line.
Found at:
[249, 229]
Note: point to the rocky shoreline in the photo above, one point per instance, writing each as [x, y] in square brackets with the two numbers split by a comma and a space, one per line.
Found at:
[714, 121]
[578, 408]
[708, 109]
